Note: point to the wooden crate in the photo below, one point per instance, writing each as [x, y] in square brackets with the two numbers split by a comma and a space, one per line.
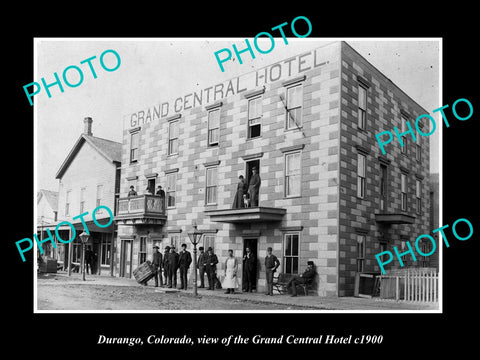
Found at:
[144, 272]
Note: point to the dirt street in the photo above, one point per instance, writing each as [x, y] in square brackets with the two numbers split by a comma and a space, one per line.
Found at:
[59, 294]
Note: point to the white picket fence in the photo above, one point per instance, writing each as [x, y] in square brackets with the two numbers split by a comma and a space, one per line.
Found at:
[411, 284]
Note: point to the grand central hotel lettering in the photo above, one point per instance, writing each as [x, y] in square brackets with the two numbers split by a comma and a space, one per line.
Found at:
[308, 125]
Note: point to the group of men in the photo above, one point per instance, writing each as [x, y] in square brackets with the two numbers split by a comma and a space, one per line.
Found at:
[171, 261]
[160, 192]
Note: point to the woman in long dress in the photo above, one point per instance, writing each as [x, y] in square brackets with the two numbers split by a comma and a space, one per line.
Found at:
[230, 282]
[241, 189]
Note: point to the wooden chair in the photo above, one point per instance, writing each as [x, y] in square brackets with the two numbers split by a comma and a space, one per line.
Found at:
[280, 281]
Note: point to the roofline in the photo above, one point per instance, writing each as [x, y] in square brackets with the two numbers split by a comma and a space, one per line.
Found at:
[386, 77]
[76, 148]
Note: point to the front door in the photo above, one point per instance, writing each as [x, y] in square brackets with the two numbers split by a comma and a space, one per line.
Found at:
[126, 259]
[252, 244]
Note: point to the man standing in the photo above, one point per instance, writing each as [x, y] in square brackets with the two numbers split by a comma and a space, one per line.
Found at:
[161, 193]
[88, 260]
[201, 266]
[132, 191]
[172, 268]
[165, 264]
[250, 270]
[184, 261]
[210, 263]
[306, 278]
[271, 265]
[157, 260]
[254, 187]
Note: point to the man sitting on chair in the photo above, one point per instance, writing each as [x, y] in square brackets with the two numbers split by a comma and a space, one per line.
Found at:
[306, 277]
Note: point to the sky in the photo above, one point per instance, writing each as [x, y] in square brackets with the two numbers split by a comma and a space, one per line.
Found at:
[155, 69]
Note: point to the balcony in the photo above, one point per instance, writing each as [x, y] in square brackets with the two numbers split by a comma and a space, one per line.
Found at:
[386, 218]
[247, 215]
[141, 209]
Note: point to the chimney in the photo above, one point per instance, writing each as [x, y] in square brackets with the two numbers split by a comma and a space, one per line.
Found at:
[87, 128]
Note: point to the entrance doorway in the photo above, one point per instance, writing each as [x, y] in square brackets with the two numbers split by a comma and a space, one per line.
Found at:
[126, 258]
[248, 168]
[252, 244]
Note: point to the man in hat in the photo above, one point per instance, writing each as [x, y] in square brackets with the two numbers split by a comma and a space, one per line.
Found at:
[184, 261]
[172, 268]
[210, 263]
[254, 187]
[201, 266]
[306, 278]
[161, 193]
[132, 191]
[165, 264]
[271, 265]
[157, 260]
[249, 270]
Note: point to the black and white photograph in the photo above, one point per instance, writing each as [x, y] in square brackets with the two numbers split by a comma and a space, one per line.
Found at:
[214, 180]
[196, 182]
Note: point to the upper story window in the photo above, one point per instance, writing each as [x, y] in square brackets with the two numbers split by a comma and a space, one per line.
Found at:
[404, 129]
[361, 239]
[171, 189]
[418, 195]
[82, 200]
[173, 137]
[293, 174]
[255, 117]
[213, 127]
[403, 181]
[294, 107]
[418, 152]
[383, 186]
[134, 141]
[67, 202]
[211, 187]
[361, 174]
[362, 107]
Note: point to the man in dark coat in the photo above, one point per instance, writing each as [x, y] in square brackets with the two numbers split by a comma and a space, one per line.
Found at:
[254, 187]
[184, 261]
[157, 260]
[165, 264]
[132, 191]
[306, 278]
[172, 268]
[238, 201]
[250, 270]
[201, 266]
[210, 264]
[271, 265]
[88, 260]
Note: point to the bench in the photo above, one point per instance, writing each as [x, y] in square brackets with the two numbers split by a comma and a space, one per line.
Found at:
[281, 280]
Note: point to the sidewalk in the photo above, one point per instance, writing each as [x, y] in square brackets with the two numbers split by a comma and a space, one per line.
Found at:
[309, 302]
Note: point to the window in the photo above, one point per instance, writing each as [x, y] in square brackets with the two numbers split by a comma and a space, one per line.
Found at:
[173, 138]
[290, 254]
[418, 152]
[211, 190]
[403, 148]
[383, 186]
[254, 117]
[361, 171]
[292, 174]
[99, 195]
[361, 253]
[213, 127]
[362, 107]
[82, 200]
[67, 203]
[106, 248]
[404, 191]
[171, 189]
[426, 248]
[142, 251]
[383, 248]
[209, 241]
[174, 239]
[134, 140]
[294, 107]
[418, 194]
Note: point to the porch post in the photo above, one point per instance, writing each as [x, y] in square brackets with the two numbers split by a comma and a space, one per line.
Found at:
[70, 252]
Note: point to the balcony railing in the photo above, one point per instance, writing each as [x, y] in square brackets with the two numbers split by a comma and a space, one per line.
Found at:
[141, 209]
